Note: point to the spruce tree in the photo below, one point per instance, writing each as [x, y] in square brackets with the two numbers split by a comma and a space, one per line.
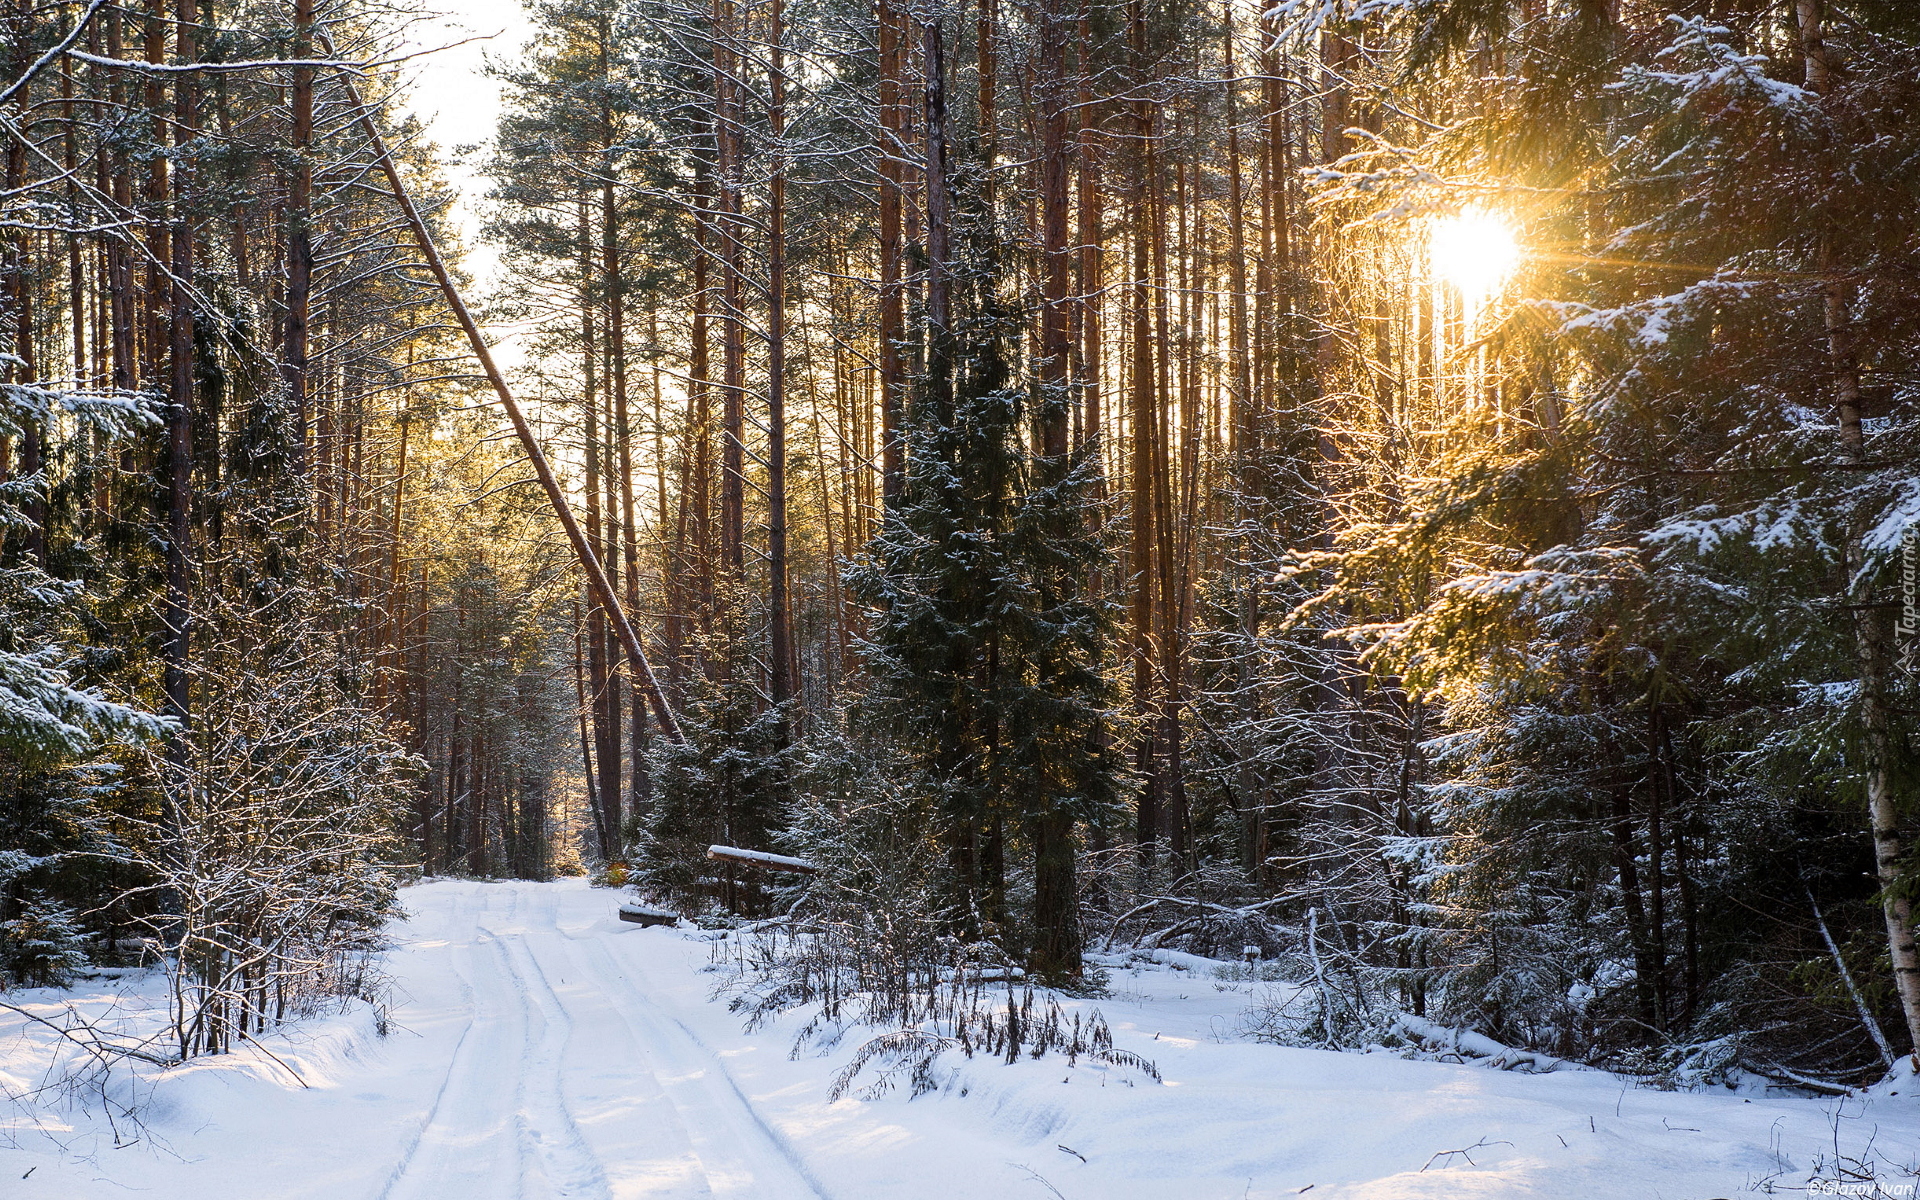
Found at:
[728, 783]
[985, 648]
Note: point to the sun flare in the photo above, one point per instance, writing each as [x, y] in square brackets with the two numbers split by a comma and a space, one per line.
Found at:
[1474, 251]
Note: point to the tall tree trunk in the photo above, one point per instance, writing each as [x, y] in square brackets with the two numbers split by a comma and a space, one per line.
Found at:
[1168, 599]
[697, 496]
[731, 228]
[155, 291]
[1872, 634]
[1143, 427]
[939, 207]
[588, 771]
[1626, 853]
[892, 194]
[1087, 303]
[180, 415]
[606, 724]
[1056, 346]
[779, 616]
[615, 286]
[1244, 431]
[293, 368]
[1057, 946]
[19, 274]
[119, 266]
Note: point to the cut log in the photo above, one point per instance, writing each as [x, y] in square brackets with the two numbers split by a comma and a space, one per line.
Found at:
[761, 860]
[643, 916]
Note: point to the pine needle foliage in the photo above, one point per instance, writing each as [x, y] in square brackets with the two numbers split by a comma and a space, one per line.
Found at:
[985, 648]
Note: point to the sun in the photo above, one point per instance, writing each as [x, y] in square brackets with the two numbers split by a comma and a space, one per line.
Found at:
[1474, 251]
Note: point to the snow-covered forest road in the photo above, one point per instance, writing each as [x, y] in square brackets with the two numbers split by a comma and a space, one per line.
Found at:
[568, 1076]
[542, 1049]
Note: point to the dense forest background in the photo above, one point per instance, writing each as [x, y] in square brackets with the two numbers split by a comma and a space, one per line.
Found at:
[1424, 488]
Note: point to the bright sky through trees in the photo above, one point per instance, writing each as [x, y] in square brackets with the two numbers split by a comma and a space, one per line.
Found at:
[1474, 251]
[459, 103]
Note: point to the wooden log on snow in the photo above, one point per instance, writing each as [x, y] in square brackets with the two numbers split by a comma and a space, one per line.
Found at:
[760, 860]
[643, 916]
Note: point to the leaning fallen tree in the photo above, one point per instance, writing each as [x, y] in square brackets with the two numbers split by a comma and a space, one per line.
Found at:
[596, 576]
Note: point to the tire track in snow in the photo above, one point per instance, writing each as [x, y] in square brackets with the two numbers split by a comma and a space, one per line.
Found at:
[641, 1138]
[741, 1155]
[500, 1126]
[545, 1121]
[448, 915]
[459, 1150]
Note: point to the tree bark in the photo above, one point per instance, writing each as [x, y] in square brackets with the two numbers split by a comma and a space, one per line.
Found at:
[1056, 346]
[180, 414]
[891, 322]
[939, 202]
[779, 616]
[1144, 427]
[731, 229]
[1872, 634]
[293, 370]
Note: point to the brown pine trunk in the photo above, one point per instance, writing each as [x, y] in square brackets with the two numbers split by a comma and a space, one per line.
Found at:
[20, 306]
[476, 807]
[621, 494]
[119, 266]
[939, 208]
[175, 609]
[1244, 430]
[779, 618]
[76, 280]
[396, 595]
[1087, 305]
[1647, 965]
[891, 316]
[156, 287]
[986, 77]
[1144, 426]
[1057, 944]
[731, 228]
[842, 650]
[596, 814]
[606, 725]
[1167, 598]
[696, 496]
[299, 266]
[1056, 346]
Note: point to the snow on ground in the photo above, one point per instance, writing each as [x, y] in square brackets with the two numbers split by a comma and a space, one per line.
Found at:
[541, 1048]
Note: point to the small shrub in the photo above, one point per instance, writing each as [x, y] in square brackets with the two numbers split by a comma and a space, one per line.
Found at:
[43, 946]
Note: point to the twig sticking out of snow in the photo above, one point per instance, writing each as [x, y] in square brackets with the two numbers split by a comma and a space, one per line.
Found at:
[275, 1057]
[94, 1043]
[1040, 1179]
[1482, 1144]
[93, 1082]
